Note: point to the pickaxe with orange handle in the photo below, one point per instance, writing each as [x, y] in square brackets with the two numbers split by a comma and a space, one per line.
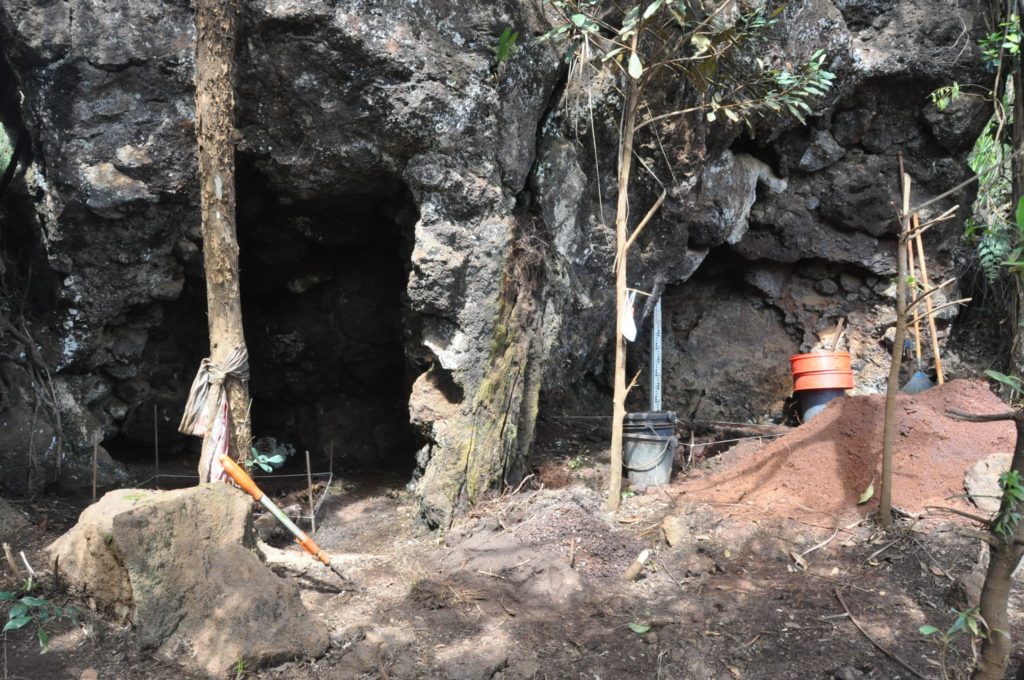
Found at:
[244, 481]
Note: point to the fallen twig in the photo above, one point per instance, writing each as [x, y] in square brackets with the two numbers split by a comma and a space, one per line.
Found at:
[669, 573]
[823, 543]
[976, 518]
[521, 483]
[892, 655]
[883, 549]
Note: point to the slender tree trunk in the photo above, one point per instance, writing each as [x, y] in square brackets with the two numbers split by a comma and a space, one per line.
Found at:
[621, 234]
[1004, 555]
[215, 102]
[1017, 184]
[893, 388]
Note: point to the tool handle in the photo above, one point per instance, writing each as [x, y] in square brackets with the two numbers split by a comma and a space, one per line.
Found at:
[241, 477]
[310, 546]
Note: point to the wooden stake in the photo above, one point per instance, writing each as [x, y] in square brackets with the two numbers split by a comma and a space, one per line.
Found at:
[917, 321]
[634, 570]
[95, 452]
[929, 305]
[12, 563]
[156, 445]
[838, 335]
[312, 507]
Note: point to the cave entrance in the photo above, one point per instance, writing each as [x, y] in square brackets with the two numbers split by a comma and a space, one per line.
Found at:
[328, 329]
[325, 314]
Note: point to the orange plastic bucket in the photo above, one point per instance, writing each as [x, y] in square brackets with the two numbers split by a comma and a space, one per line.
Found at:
[820, 361]
[821, 371]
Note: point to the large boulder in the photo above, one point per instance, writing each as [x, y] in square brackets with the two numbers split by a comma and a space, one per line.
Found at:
[181, 565]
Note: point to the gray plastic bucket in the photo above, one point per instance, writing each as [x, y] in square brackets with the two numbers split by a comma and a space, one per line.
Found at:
[649, 447]
[648, 459]
[812, 402]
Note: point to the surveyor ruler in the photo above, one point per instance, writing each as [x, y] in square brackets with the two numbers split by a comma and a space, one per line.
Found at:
[656, 357]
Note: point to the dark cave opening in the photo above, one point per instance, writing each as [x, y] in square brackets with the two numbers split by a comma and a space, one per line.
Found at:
[323, 300]
[327, 326]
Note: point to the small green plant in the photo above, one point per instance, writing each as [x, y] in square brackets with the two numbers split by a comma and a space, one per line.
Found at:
[506, 45]
[1013, 493]
[263, 461]
[240, 669]
[968, 622]
[1010, 381]
[629, 493]
[37, 611]
[577, 462]
[944, 96]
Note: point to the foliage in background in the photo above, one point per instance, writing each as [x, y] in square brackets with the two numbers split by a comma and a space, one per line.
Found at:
[710, 47]
[997, 226]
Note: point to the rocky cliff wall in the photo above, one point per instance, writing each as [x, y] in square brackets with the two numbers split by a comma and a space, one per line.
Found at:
[423, 239]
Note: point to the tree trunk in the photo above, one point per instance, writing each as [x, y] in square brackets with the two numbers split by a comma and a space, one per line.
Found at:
[1017, 184]
[889, 427]
[621, 224]
[1004, 555]
[215, 57]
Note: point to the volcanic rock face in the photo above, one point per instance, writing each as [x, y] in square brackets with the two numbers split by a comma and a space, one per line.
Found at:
[412, 212]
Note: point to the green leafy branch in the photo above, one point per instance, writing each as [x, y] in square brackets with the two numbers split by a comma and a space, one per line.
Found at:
[1013, 493]
[703, 48]
[1004, 41]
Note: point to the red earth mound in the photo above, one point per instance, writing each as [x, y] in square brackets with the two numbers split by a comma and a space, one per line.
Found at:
[826, 464]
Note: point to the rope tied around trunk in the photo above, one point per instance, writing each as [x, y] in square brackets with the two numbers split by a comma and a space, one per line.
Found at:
[211, 374]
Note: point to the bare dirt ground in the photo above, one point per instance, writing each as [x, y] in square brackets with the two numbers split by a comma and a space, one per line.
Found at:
[764, 542]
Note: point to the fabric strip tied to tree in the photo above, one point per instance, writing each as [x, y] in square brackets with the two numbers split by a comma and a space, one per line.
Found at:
[207, 398]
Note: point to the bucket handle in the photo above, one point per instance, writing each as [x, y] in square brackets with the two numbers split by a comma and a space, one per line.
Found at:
[656, 463]
[652, 430]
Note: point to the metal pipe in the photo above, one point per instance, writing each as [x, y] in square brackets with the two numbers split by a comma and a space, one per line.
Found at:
[656, 357]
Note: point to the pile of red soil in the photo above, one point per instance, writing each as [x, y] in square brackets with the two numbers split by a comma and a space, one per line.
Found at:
[826, 464]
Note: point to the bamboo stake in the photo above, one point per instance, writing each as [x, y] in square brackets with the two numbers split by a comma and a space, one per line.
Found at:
[634, 570]
[12, 563]
[928, 306]
[312, 506]
[156, 446]
[95, 451]
[917, 321]
[839, 334]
